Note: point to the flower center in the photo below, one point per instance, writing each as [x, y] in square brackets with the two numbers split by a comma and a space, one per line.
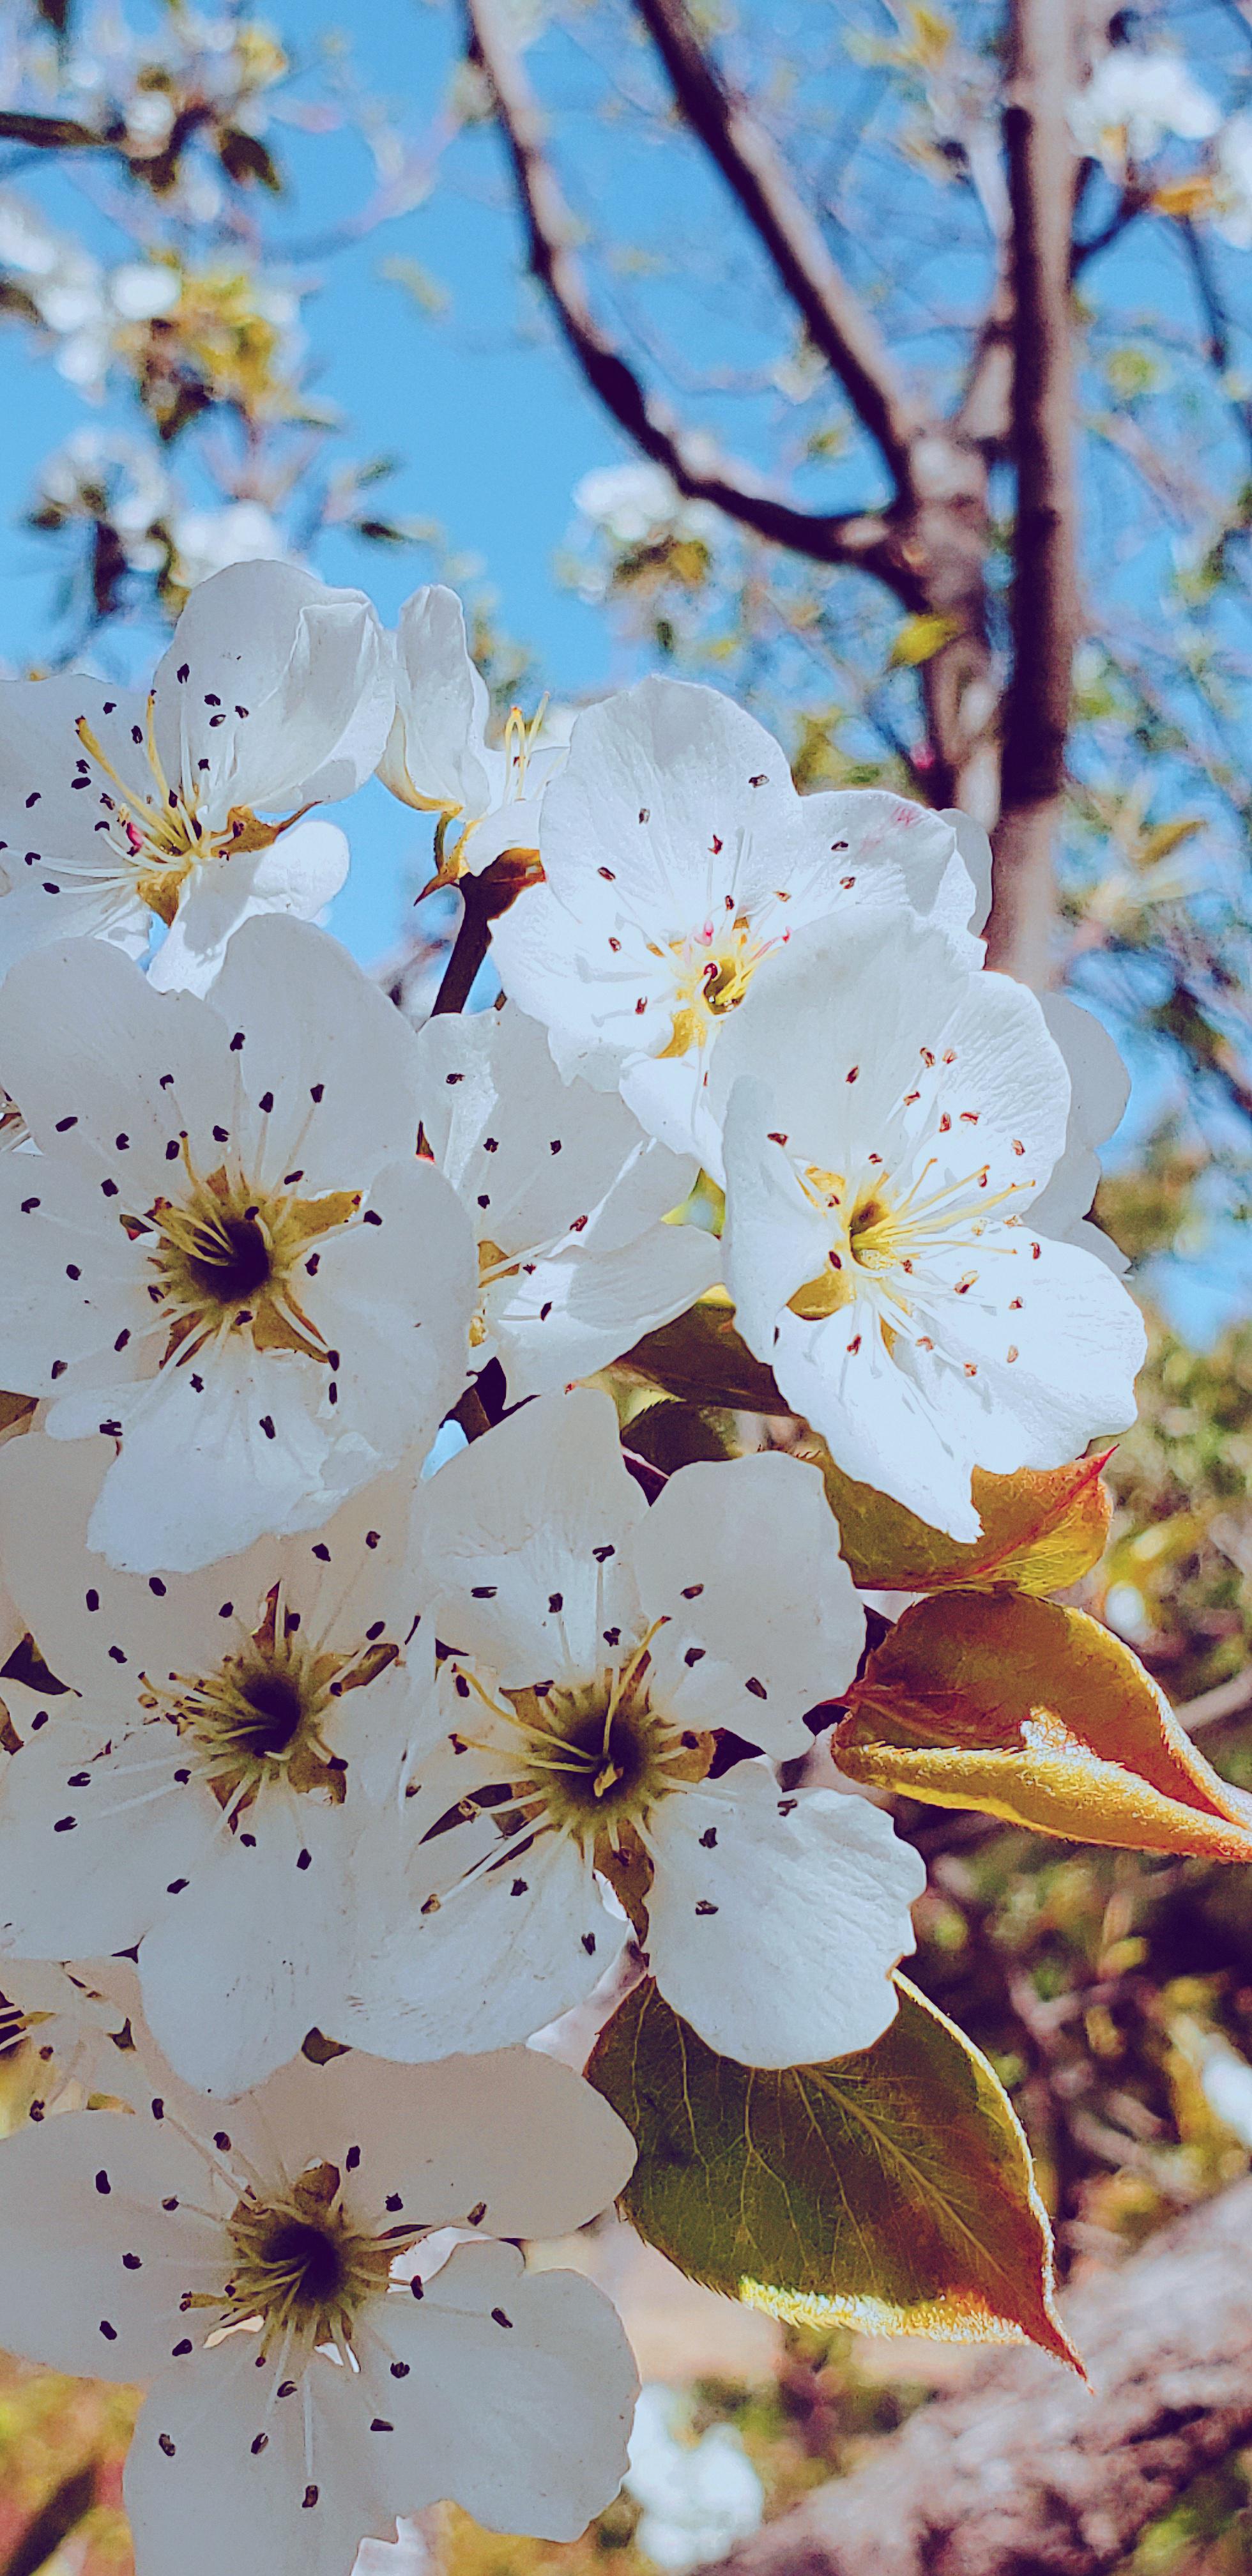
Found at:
[162, 833]
[712, 971]
[588, 1763]
[261, 1716]
[880, 1240]
[222, 1258]
[300, 2266]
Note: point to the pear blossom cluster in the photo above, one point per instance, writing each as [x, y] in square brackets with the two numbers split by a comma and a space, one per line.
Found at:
[374, 1714]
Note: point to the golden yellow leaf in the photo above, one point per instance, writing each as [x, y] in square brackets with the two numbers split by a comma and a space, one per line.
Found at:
[1041, 1529]
[919, 639]
[1034, 1712]
[890, 2190]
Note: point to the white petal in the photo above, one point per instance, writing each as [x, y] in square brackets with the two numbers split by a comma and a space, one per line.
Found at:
[77, 2194]
[102, 1057]
[528, 1152]
[93, 1835]
[884, 1415]
[204, 2491]
[516, 1532]
[576, 1314]
[317, 1039]
[742, 1559]
[298, 676]
[244, 1961]
[436, 755]
[774, 1921]
[503, 1955]
[298, 875]
[1099, 1090]
[521, 2142]
[518, 2393]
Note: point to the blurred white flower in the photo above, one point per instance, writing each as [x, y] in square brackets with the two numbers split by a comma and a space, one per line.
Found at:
[698, 2497]
[109, 476]
[1232, 183]
[637, 505]
[1132, 101]
[207, 541]
[1226, 2079]
[82, 304]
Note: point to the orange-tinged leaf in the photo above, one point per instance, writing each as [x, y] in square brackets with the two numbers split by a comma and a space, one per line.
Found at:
[1035, 1712]
[1041, 1529]
[890, 2190]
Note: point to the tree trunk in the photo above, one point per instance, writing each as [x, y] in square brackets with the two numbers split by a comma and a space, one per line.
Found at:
[1022, 2471]
[1037, 701]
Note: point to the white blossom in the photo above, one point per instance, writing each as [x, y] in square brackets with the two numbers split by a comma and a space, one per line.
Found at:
[438, 759]
[203, 1783]
[1132, 101]
[74, 2019]
[230, 1260]
[637, 505]
[599, 1653]
[1232, 182]
[566, 1196]
[209, 541]
[263, 2270]
[1099, 1088]
[890, 1119]
[678, 859]
[121, 811]
[698, 2496]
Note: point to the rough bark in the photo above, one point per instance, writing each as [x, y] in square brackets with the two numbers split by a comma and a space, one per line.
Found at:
[1024, 2472]
[1036, 713]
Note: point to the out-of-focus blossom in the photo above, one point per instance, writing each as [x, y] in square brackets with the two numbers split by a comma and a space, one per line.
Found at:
[1132, 102]
[1232, 183]
[208, 541]
[637, 505]
[698, 2497]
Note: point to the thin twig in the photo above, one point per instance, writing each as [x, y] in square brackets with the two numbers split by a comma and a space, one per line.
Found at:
[863, 540]
[834, 317]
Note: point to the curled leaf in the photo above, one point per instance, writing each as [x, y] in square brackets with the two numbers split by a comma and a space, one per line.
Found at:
[1035, 1712]
[1041, 1529]
[890, 2190]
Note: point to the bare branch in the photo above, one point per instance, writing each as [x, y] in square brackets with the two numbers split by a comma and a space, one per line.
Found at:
[1037, 701]
[53, 133]
[863, 540]
[834, 317]
[1023, 2468]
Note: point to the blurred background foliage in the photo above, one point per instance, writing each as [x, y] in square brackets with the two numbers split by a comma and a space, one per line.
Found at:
[165, 237]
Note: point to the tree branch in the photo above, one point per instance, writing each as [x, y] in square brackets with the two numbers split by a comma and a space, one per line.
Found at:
[833, 315]
[1037, 701]
[865, 541]
[1023, 2468]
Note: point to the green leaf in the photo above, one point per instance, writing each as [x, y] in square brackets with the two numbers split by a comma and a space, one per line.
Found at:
[890, 2190]
[1034, 1712]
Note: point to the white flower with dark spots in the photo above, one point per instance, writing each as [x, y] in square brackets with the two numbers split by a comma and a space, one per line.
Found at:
[610, 1671]
[679, 859]
[229, 1258]
[73, 2022]
[202, 1784]
[486, 795]
[123, 811]
[567, 1197]
[262, 2269]
[890, 1119]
